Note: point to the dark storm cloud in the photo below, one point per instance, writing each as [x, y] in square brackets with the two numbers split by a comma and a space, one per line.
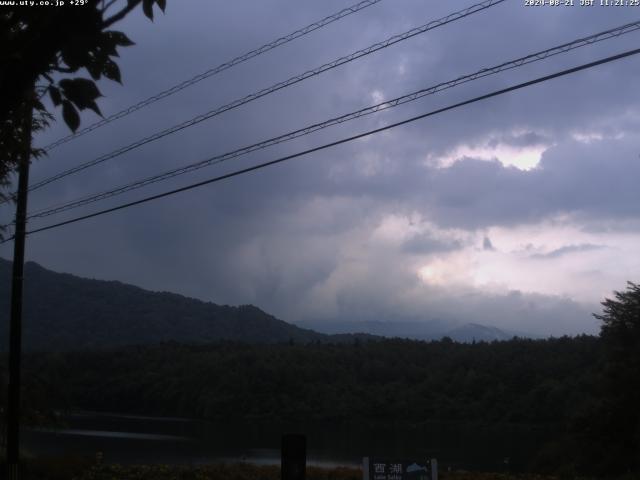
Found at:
[299, 233]
[588, 181]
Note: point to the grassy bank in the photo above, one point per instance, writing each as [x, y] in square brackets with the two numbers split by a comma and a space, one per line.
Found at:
[83, 468]
[74, 467]
[255, 472]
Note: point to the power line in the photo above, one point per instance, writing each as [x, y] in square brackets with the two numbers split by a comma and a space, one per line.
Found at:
[214, 71]
[531, 58]
[452, 17]
[344, 140]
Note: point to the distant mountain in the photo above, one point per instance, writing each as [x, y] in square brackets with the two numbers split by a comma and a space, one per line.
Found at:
[427, 330]
[63, 312]
[416, 330]
[479, 333]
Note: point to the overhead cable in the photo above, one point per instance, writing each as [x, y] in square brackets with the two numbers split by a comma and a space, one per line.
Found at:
[339, 142]
[452, 17]
[214, 71]
[531, 58]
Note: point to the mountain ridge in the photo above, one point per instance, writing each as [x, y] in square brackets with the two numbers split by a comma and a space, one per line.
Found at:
[66, 312]
[63, 311]
[416, 330]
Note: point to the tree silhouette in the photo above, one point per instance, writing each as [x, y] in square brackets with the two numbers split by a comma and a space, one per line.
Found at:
[40, 50]
[619, 415]
[47, 46]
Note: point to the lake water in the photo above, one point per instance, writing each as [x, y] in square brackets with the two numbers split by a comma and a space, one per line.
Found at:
[137, 439]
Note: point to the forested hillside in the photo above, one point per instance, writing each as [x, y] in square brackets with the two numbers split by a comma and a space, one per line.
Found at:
[63, 312]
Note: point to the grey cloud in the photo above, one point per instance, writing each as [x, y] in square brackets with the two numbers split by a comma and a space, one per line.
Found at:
[589, 182]
[526, 139]
[534, 313]
[279, 236]
[425, 244]
[568, 249]
[526, 312]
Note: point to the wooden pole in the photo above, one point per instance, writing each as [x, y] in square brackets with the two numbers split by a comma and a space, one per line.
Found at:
[15, 334]
[293, 462]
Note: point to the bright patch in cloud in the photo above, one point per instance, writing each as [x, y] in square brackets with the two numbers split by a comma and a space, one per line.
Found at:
[377, 96]
[524, 158]
[447, 271]
[519, 149]
[557, 259]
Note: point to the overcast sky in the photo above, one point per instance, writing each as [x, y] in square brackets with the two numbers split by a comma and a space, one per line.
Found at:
[520, 212]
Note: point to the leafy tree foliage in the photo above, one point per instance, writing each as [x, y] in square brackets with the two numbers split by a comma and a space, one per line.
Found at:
[39, 51]
[615, 422]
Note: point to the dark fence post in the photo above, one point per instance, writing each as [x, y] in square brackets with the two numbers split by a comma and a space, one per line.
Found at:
[293, 460]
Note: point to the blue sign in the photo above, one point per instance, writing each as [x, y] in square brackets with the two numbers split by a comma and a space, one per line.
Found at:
[380, 469]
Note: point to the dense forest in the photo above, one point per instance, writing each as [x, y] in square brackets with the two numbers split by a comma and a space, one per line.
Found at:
[522, 381]
[541, 383]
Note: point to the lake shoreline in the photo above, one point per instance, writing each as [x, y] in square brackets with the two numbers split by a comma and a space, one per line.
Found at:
[128, 439]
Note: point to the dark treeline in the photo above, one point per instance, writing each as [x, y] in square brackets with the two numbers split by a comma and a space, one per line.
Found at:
[562, 385]
[520, 381]
[548, 384]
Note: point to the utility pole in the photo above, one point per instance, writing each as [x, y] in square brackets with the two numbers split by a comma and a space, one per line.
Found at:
[15, 334]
